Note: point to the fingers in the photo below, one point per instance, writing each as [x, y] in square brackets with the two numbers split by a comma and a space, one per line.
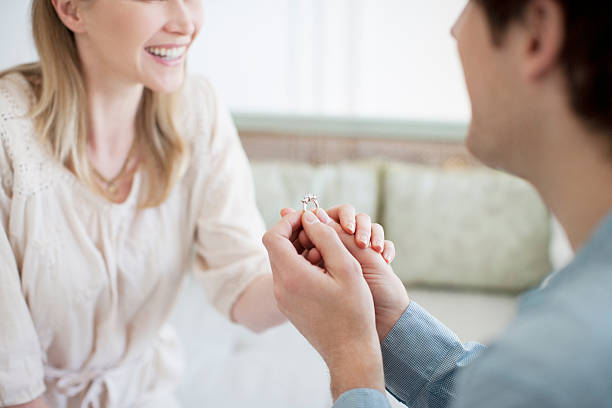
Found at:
[286, 211]
[314, 256]
[345, 216]
[300, 240]
[304, 240]
[347, 239]
[378, 237]
[292, 273]
[367, 257]
[283, 213]
[338, 260]
[363, 231]
[326, 219]
[360, 225]
[389, 252]
[298, 247]
[278, 240]
[285, 228]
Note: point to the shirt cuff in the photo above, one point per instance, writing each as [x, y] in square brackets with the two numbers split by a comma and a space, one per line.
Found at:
[362, 398]
[414, 350]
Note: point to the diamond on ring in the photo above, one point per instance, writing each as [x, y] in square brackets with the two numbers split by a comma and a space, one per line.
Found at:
[310, 198]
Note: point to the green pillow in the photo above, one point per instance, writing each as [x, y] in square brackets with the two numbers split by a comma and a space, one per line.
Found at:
[465, 228]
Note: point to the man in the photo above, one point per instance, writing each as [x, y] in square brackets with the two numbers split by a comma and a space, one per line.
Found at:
[539, 77]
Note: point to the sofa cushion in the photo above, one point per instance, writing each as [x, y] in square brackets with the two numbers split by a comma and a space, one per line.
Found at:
[282, 184]
[465, 228]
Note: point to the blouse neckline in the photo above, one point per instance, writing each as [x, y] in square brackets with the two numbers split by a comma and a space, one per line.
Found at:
[93, 197]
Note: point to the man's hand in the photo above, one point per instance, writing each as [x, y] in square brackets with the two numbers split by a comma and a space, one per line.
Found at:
[389, 294]
[331, 306]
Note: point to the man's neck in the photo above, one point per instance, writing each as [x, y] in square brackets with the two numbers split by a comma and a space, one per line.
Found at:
[574, 178]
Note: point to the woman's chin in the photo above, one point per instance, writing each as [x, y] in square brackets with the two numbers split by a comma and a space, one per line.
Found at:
[166, 85]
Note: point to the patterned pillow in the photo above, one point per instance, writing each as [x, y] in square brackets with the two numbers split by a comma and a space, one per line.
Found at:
[465, 228]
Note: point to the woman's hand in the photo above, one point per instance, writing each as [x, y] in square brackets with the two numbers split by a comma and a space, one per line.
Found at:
[388, 291]
[366, 233]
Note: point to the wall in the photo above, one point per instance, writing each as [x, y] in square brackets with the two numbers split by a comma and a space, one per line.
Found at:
[355, 58]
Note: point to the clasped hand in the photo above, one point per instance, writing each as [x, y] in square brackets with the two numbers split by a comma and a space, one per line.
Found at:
[337, 290]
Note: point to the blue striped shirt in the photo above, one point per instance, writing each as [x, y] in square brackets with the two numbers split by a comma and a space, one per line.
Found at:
[556, 353]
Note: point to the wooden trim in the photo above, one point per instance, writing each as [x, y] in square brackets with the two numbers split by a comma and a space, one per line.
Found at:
[326, 149]
[351, 127]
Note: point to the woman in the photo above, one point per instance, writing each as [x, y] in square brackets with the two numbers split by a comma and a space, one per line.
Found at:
[117, 175]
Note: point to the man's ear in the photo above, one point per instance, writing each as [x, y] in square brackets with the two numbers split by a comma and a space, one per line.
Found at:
[70, 14]
[544, 25]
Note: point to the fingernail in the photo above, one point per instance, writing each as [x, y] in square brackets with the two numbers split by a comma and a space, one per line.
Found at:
[377, 244]
[310, 218]
[362, 239]
[323, 216]
[351, 227]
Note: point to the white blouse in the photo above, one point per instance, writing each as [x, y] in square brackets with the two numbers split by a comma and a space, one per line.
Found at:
[87, 285]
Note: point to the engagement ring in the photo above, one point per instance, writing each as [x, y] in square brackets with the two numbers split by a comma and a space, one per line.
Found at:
[310, 198]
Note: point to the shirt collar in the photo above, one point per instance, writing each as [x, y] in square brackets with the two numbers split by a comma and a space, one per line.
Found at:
[598, 249]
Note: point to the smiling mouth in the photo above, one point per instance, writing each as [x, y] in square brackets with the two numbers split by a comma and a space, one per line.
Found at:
[168, 54]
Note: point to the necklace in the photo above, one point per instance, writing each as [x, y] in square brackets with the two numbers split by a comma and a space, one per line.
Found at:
[111, 185]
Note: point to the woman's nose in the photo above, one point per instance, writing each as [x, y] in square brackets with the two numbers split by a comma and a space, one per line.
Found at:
[181, 20]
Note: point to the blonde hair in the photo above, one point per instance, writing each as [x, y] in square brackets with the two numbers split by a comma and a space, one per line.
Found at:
[61, 117]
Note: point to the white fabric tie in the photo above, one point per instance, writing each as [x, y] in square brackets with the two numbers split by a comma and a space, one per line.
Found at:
[70, 384]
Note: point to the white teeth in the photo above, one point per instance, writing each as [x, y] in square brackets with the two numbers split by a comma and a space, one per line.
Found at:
[167, 53]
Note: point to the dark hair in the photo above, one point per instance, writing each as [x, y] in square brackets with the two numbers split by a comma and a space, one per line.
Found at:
[586, 56]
